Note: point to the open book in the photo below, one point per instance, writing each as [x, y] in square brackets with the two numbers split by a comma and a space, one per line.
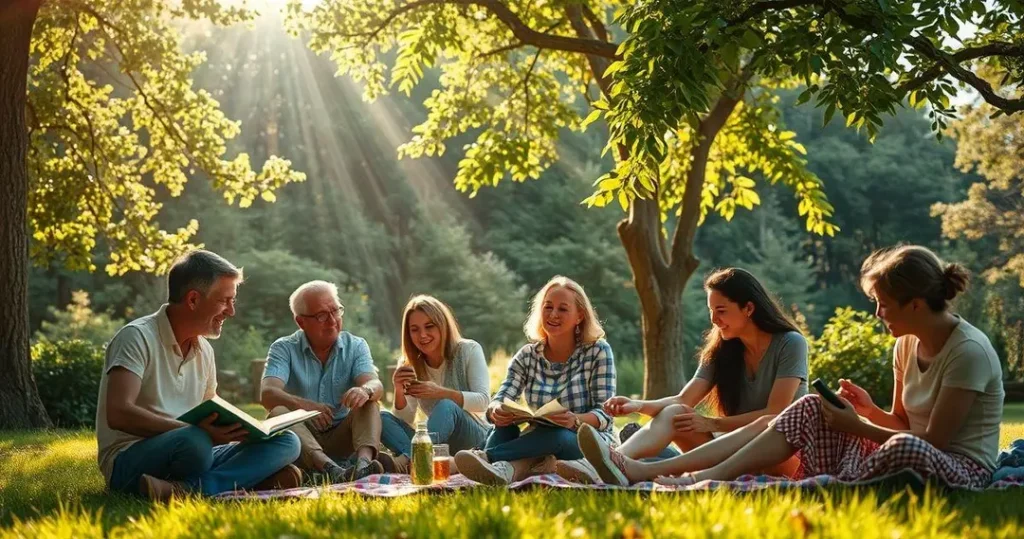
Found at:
[228, 414]
[523, 414]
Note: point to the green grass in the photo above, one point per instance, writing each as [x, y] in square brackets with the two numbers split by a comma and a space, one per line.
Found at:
[50, 486]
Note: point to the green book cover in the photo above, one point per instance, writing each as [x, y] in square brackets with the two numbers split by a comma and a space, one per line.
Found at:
[228, 414]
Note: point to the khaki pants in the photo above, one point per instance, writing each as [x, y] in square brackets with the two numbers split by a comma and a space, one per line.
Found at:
[360, 428]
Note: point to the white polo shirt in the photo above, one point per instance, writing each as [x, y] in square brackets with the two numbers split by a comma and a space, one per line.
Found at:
[171, 385]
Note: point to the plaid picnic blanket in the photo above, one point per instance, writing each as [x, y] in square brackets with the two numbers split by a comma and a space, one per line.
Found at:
[395, 485]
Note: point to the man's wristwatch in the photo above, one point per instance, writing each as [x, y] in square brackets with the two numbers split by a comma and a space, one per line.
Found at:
[369, 392]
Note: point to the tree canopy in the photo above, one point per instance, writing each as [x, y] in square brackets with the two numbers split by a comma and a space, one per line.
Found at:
[113, 115]
[992, 144]
[683, 88]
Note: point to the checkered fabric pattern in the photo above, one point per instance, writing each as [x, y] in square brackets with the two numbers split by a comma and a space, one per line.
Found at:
[581, 384]
[852, 458]
[395, 485]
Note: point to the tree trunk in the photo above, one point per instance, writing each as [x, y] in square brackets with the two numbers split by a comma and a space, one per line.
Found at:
[658, 277]
[659, 286]
[660, 271]
[20, 406]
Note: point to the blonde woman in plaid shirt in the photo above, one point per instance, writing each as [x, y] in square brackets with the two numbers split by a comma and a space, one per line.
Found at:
[947, 399]
[567, 359]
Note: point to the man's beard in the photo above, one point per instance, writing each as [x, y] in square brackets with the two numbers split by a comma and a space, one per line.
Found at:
[213, 333]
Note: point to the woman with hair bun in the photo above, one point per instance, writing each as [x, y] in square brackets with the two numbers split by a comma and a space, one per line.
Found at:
[947, 399]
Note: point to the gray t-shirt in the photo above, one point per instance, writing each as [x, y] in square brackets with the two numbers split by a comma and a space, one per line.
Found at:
[786, 357]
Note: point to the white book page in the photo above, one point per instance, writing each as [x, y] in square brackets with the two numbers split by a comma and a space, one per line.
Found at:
[552, 407]
[284, 421]
[516, 408]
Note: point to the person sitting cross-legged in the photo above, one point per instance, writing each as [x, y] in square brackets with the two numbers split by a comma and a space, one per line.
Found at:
[160, 366]
[320, 367]
[442, 374]
[945, 416]
[568, 360]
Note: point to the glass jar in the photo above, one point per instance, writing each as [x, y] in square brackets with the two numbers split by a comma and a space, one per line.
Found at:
[422, 469]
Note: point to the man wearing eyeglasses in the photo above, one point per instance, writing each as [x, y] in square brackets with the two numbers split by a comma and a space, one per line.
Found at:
[320, 367]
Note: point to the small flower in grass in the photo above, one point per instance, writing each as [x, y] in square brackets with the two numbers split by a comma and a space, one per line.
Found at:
[800, 523]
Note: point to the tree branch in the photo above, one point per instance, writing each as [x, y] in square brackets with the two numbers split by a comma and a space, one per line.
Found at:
[499, 50]
[516, 25]
[681, 255]
[538, 39]
[947, 62]
[598, 64]
[596, 24]
[998, 48]
[516, 45]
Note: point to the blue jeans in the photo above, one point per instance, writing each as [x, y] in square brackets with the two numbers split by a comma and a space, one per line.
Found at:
[507, 443]
[450, 423]
[187, 455]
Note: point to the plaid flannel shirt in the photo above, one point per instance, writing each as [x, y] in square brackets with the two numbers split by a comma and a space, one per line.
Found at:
[581, 384]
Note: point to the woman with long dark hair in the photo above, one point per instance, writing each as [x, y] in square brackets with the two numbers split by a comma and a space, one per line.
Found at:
[946, 406]
[753, 363]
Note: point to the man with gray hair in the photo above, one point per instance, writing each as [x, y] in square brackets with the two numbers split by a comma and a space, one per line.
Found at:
[320, 367]
[159, 367]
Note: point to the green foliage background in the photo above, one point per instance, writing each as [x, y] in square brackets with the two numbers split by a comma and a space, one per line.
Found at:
[384, 228]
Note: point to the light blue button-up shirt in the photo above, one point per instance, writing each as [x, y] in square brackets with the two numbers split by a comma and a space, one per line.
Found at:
[292, 360]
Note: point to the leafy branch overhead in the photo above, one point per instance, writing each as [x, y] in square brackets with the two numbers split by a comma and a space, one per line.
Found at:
[862, 59]
[992, 144]
[512, 73]
[112, 114]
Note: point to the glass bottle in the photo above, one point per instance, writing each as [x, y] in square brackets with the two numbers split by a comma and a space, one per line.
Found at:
[422, 471]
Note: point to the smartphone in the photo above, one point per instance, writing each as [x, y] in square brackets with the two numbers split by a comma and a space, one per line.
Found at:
[827, 393]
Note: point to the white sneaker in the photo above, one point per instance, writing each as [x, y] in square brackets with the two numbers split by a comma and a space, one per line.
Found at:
[578, 471]
[473, 464]
[609, 463]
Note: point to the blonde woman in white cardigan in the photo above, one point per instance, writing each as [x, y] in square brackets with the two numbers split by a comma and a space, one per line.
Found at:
[442, 374]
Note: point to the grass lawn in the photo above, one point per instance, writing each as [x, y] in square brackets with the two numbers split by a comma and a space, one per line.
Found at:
[50, 486]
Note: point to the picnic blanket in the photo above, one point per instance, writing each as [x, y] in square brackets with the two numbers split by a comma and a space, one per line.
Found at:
[395, 485]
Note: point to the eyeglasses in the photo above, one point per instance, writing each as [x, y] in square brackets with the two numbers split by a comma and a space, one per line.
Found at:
[322, 316]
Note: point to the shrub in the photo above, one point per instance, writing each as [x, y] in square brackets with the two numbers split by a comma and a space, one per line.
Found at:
[79, 322]
[68, 374]
[854, 346]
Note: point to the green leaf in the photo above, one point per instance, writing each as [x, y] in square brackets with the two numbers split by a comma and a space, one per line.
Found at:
[804, 97]
[591, 118]
[817, 64]
[609, 184]
[828, 113]
[750, 39]
[647, 183]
